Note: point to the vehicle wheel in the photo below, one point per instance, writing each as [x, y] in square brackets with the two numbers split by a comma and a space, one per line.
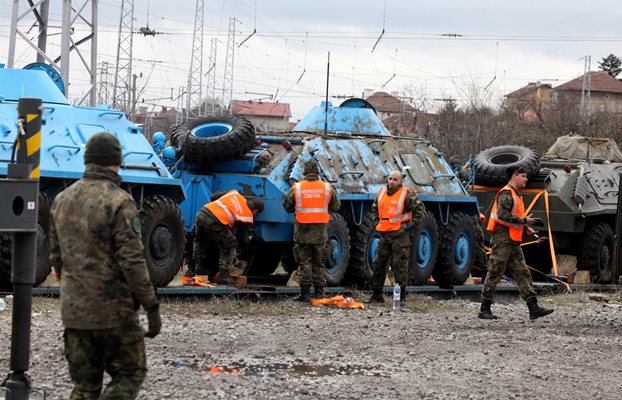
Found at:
[455, 250]
[491, 164]
[423, 250]
[163, 238]
[337, 250]
[365, 240]
[597, 252]
[42, 266]
[213, 139]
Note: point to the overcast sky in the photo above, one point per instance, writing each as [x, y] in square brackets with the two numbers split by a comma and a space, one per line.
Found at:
[440, 47]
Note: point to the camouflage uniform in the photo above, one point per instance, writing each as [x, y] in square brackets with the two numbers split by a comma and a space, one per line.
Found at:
[96, 248]
[310, 240]
[480, 251]
[208, 227]
[396, 243]
[507, 254]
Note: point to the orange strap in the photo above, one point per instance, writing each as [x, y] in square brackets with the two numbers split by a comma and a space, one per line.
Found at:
[339, 301]
[195, 281]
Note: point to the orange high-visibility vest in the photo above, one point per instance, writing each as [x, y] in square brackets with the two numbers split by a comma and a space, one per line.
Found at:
[312, 199]
[391, 209]
[516, 230]
[231, 207]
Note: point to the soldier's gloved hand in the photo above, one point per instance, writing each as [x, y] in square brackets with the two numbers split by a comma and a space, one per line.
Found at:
[155, 322]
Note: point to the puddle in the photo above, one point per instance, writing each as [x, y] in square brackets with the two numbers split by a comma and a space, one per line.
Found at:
[298, 369]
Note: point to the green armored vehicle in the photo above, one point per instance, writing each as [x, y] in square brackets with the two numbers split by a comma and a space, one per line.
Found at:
[576, 190]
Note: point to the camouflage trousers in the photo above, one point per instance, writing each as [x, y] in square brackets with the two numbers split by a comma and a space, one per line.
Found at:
[507, 256]
[479, 260]
[393, 245]
[207, 227]
[310, 259]
[119, 351]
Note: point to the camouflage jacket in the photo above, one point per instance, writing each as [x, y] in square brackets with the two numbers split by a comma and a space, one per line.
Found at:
[504, 213]
[412, 203]
[310, 233]
[95, 245]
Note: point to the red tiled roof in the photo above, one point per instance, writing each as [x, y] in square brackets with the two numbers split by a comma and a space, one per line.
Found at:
[600, 82]
[260, 109]
[525, 90]
[384, 102]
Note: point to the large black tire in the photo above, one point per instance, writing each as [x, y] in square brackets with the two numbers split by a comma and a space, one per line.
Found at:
[212, 140]
[337, 250]
[423, 250]
[597, 252]
[42, 266]
[491, 164]
[365, 239]
[163, 238]
[455, 251]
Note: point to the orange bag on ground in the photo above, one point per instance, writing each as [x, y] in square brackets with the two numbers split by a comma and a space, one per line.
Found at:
[195, 281]
[339, 301]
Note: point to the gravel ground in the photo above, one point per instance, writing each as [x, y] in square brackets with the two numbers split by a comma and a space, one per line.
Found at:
[435, 349]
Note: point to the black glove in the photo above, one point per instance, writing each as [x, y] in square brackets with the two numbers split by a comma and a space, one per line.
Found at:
[155, 322]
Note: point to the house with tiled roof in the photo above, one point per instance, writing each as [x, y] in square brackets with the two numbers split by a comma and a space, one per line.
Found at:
[528, 101]
[605, 92]
[387, 105]
[265, 116]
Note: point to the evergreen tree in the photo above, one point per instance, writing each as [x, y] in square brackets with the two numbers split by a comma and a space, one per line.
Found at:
[611, 65]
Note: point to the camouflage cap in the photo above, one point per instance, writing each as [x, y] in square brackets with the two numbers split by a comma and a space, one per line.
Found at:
[255, 203]
[310, 167]
[454, 160]
[103, 148]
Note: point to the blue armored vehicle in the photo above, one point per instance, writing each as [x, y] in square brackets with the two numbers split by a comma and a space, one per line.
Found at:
[356, 153]
[65, 130]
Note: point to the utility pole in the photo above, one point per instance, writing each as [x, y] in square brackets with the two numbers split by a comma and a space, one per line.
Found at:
[123, 71]
[195, 75]
[180, 114]
[211, 78]
[103, 95]
[586, 92]
[227, 81]
[68, 44]
[132, 108]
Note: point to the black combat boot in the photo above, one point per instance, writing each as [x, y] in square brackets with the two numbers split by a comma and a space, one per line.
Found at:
[305, 294]
[376, 296]
[484, 310]
[319, 292]
[224, 279]
[535, 311]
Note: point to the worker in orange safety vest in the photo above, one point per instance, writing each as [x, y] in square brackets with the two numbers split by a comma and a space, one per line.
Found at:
[311, 200]
[508, 225]
[216, 221]
[398, 211]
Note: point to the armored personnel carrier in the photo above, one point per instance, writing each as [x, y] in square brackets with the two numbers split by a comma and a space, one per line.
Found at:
[576, 190]
[65, 131]
[356, 153]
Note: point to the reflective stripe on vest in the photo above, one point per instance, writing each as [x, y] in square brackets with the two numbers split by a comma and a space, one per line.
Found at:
[312, 200]
[518, 209]
[231, 207]
[390, 209]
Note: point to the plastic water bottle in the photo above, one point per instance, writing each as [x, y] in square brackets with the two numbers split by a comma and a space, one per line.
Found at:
[2, 304]
[396, 296]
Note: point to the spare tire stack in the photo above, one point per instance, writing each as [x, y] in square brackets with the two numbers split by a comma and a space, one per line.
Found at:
[210, 140]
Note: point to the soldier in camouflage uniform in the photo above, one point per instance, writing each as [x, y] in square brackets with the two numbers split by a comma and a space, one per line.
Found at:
[208, 226]
[310, 237]
[395, 242]
[508, 224]
[97, 253]
[480, 262]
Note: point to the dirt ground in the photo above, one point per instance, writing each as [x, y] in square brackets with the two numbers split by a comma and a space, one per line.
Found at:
[435, 349]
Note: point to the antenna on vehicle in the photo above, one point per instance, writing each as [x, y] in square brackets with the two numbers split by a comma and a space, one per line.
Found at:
[326, 101]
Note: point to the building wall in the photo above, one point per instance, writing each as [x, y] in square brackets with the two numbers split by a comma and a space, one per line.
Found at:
[268, 124]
